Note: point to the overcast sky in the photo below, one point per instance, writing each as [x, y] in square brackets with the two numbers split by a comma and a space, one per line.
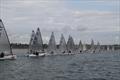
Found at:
[82, 19]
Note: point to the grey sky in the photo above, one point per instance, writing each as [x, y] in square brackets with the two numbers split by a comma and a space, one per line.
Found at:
[84, 20]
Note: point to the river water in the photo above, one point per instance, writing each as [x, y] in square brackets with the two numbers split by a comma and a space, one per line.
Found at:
[104, 66]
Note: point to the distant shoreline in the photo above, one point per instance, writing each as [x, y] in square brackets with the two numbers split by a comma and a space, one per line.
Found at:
[26, 46]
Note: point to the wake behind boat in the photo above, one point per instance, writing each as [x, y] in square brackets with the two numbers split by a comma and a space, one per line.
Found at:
[5, 47]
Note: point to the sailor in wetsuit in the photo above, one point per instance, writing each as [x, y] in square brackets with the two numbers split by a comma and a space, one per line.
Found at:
[2, 55]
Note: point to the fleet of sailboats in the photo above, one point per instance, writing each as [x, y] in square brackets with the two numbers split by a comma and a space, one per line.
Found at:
[36, 45]
[5, 47]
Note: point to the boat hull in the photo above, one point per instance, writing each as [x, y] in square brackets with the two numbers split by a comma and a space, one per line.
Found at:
[9, 57]
[33, 55]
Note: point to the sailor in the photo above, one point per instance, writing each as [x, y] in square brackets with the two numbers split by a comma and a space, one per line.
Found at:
[36, 53]
[2, 55]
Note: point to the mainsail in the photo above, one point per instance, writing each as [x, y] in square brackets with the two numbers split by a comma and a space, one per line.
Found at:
[4, 40]
[62, 46]
[37, 41]
[92, 46]
[80, 47]
[52, 43]
[98, 47]
[84, 47]
[70, 44]
[31, 41]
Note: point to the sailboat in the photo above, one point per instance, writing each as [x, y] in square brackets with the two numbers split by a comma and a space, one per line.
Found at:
[92, 49]
[70, 45]
[52, 44]
[36, 44]
[84, 47]
[63, 46]
[108, 48]
[97, 47]
[80, 47]
[5, 47]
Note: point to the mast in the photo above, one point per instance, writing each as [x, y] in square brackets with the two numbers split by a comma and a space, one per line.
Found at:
[7, 37]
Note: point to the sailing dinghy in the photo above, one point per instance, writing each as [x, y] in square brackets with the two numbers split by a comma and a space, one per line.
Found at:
[36, 45]
[5, 47]
[92, 49]
[52, 45]
[63, 46]
[80, 47]
[98, 47]
[70, 45]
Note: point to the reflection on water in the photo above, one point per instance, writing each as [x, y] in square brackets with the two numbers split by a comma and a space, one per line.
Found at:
[73, 67]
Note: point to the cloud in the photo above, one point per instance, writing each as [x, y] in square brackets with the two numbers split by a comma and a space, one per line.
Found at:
[21, 16]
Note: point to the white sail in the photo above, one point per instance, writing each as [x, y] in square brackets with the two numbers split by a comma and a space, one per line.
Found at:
[92, 49]
[52, 43]
[84, 47]
[92, 45]
[31, 41]
[37, 41]
[98, 47]
[62, 46]
[80, 47]
[70, 44]
[108, 48]
[4, 40]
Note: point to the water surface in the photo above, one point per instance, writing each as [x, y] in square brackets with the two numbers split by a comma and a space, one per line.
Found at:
[105, 66]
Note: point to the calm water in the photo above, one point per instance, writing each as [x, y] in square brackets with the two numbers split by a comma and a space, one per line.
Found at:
[73, 67]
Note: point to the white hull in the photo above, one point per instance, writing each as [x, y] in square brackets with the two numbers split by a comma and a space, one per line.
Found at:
[9, 57]
[40, 55]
